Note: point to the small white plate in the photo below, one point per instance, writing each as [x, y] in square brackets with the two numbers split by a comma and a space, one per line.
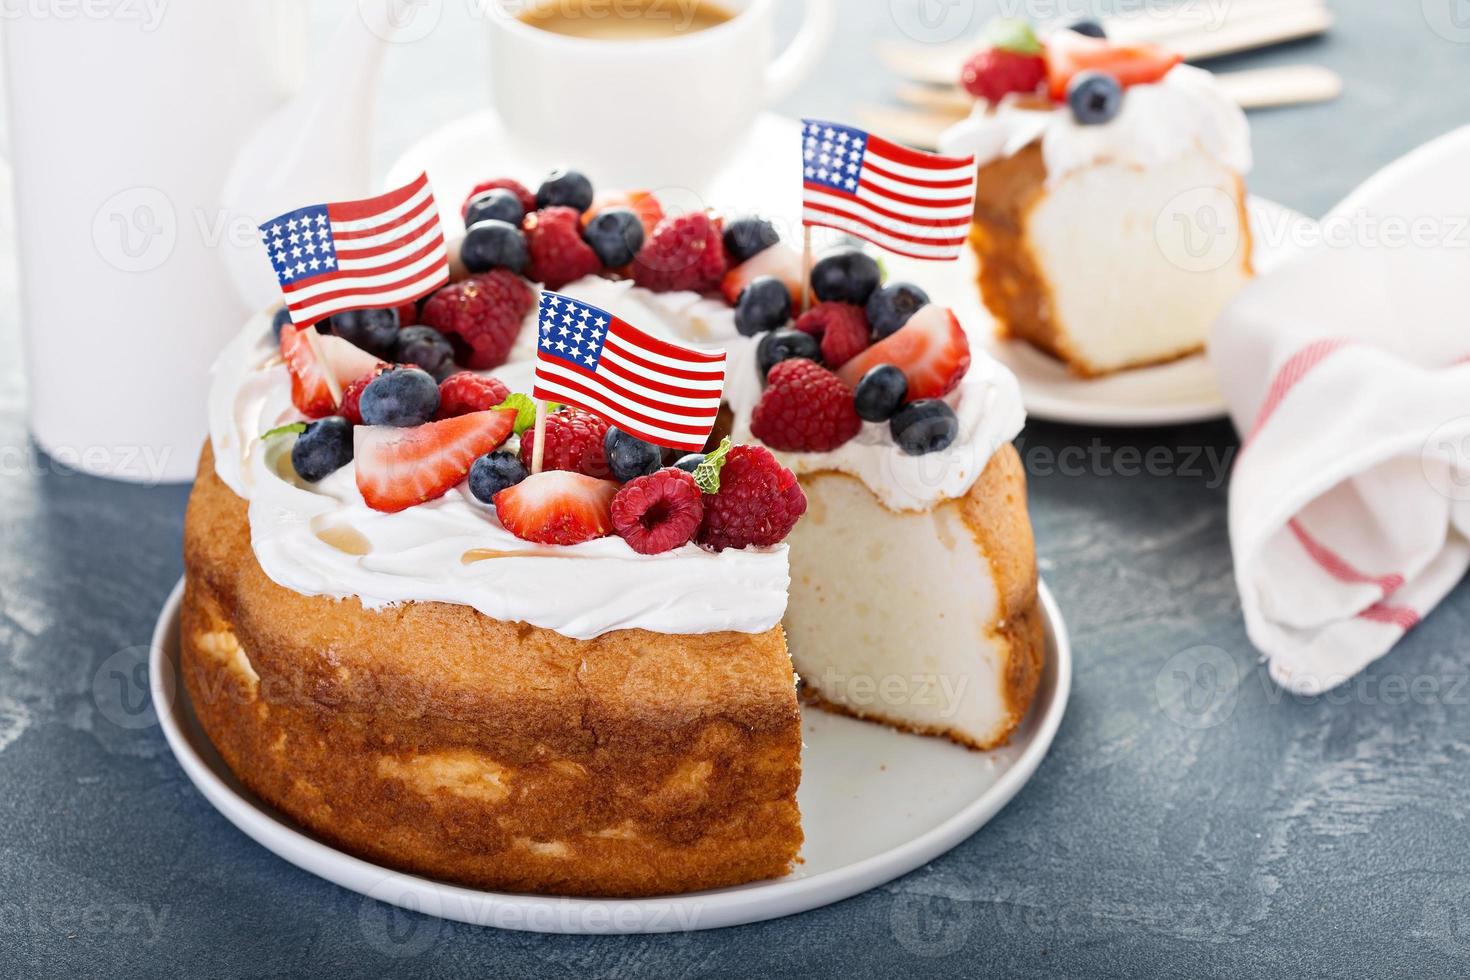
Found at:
[875, 804]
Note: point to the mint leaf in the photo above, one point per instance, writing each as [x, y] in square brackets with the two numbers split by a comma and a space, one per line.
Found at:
[525, 407]
[707, 473]
[280, 430]
[1012, 35]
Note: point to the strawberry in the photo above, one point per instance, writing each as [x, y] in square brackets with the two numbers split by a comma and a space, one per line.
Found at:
[557, 507]
[994, 73]
[684, 252]
[481, 316]
[574, 441]
[398, 468]
[805, 408]
[641, 203]
[1068, 53]
[841, 327]
[558, 254]
[316, 385]
[780, 261]
[931, 350]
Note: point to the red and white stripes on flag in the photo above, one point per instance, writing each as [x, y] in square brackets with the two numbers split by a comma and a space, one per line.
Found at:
[384, 251]
[655, 390]
[906, 201]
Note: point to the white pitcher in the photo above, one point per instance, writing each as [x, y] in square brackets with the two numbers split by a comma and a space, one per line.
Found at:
[148, 140]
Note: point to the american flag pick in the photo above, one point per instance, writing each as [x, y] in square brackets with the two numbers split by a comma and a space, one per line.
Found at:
[657, 391]
[906, 201]
[384, 251]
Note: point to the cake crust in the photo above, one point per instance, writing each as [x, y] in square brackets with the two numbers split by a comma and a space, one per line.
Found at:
[433, 739]
[995, 512]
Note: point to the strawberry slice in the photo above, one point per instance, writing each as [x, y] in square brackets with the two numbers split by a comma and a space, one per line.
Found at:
[317, 383]
[778, 260]
[930, 349]
[557, 507]
[397, 468]
[1068, 53]
[641, 203]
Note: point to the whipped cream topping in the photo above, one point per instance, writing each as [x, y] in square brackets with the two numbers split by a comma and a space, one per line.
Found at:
[323, 539]
[1184, 111]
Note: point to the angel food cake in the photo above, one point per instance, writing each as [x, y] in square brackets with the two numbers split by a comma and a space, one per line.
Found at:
[576, 681]
[1110, 213]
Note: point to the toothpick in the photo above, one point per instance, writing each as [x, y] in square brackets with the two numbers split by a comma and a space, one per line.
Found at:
[806, 267]
[313, 341]
[538, 448]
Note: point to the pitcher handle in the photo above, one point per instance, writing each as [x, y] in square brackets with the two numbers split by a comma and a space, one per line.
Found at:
[793, 65]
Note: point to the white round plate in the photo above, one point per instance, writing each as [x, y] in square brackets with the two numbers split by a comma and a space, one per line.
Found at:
[918, 797]
[471, 149]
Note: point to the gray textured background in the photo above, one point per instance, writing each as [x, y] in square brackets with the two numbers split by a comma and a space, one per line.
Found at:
[1186, 823]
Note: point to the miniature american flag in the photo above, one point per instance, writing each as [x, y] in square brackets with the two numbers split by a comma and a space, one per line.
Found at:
[652, 389]
[385, 251]
[906, 201]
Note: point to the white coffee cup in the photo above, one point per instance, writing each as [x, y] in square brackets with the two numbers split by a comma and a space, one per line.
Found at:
[656, 113]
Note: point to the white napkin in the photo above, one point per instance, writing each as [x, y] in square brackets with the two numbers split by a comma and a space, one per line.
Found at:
[1347, 372]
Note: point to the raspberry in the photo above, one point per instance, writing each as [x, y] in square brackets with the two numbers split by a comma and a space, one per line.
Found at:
[481, 316]
[805, 408]
[658, 512]
[841, 327]
[466, 391]
[758, 504]
[685, 252]
[573, 442]
[528, 200]
[558, 254]
[408, 314]
[352, 394]
[995, 73]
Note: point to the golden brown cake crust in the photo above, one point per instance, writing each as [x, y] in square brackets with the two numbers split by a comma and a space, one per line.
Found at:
[994, 510]
[1013, 285]
[433, 739]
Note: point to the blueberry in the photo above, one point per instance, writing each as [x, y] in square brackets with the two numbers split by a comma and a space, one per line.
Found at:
[279, 321]
[426, 348]
[324, 448]
[492, 473]
[689, 463]
[629, 457]
[1095, 97]
[402, 397]
[745, 237]
[496, 204]
[375, 331]
[784, 344]
[880, 393]
[848, 276]
[1090, 28]
[763, 305]
[925, 426]
[492, 244]
[890, 307]
[565, 188]
[615, 235]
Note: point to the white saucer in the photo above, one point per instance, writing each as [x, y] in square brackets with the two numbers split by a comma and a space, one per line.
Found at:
[875, 804]
[472, 149]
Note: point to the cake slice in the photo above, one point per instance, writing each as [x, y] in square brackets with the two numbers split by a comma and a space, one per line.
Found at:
[1110, 216]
